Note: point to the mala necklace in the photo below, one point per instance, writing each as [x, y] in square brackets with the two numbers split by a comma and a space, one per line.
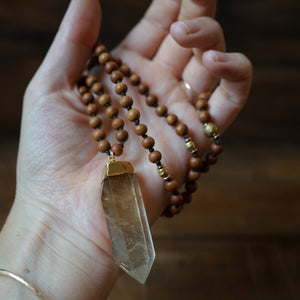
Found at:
[122, 200]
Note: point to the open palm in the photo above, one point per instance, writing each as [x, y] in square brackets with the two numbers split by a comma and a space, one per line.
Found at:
[59, 166]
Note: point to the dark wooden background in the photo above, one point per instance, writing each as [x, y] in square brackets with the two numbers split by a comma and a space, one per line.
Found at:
[240, 238]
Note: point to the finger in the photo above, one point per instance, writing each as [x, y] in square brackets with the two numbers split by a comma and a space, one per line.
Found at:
[235, 71]
[172, 56]
[73, 43]
[146, 36]
[200, 34]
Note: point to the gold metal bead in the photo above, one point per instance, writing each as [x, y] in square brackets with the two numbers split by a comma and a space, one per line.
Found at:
[211, 130]
[163, 172]
[190, 145]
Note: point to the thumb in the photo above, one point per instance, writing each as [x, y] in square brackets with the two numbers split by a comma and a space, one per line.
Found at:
[73, 42]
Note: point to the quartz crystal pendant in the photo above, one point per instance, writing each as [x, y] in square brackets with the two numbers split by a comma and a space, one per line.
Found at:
[127, 221]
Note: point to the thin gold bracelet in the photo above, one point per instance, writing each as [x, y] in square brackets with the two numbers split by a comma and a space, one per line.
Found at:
[34, 290]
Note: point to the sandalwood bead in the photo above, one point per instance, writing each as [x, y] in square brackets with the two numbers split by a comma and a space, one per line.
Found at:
[126, 101]
[216, 149]
[171, 185]
[122, 135]
[87, 98]
[176, 199]
[135, 79]
[111, 111]
[104, 99]
[120, 88]
[141, 129]
[181, 129]
[104, 58]
[133, 114]
[83, 89]
[204, 95]
[195, 162]
[116, 76]
[117, 60]
[91, 109]
[90, 80]
[175, 209]
[193, 175]
[100, 49]
[204, 116]
[191, 186]
[151, 100]
[94, 122]
[161, 110]
[103, 146]
[154, 156]
[98, 134]
[117, 149]
[201, 104]
[172, 119]
[117, 123]
[110, 66]
[125, 70]
[187, 197]
[143, 88]
[148, 142]
[211, 159]
[97, 87]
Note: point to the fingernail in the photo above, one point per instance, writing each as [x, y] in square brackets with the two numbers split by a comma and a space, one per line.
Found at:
[189, 27]
[217, 56]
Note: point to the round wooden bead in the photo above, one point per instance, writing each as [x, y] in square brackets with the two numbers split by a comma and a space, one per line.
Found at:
[204, 95]
[87, 98]
[143, 88]
[117, 149]
[195, 162]
[97, 87]
[103, 146]
[110, 66]
[98, 134]
[193, 175]
[133, 114]
[216, 149]
[140, 129]
[91, 109]
[191, 186]
[204, 116]
[104, 58]
[154, 156]
[135, 79]
[211, 159]
[117, 60]
[176, 199]
[90, 80]
[120, 88]
[117, 123]
[161, 110]
[122, 135]
[126, 101]
[148, 142]
[201, 104]
[111, 111]
[116, 76]
[125, 70]
[175, 209]
[187, 197]
[83, 89]
[171, 119]
[181, 129]
[104, 99]
[171, 185]
[151, 100]
[100, 49]
[94, 122]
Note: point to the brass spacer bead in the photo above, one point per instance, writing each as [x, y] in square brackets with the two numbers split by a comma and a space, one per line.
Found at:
[163, 172]
[211, 130]
[190, 145]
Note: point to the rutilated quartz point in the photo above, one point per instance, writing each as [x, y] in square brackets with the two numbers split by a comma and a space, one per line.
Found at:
[127, 221]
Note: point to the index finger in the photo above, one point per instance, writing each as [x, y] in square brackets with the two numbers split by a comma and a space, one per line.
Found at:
[191, 9]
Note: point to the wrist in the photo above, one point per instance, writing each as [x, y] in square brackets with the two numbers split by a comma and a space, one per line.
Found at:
[58, 260]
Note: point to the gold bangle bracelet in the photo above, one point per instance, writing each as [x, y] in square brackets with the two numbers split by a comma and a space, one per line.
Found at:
[26, 284]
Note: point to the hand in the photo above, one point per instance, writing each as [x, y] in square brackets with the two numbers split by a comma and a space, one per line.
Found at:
[59, 169]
